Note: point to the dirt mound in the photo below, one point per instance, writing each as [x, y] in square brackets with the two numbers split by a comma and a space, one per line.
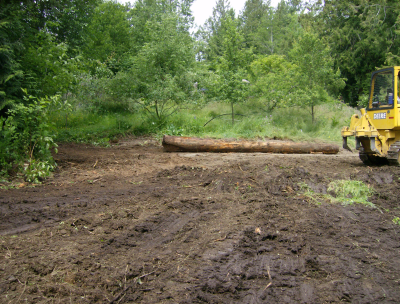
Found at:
[133, 224]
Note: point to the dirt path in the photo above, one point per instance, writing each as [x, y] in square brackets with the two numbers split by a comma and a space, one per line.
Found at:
[133, 224]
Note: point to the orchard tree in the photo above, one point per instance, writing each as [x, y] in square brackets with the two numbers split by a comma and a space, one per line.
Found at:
[162, 68]
[315, 77]
[273, 81]
[231, 65]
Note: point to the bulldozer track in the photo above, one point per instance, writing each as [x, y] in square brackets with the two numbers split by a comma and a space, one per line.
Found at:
[371, 160]
[393, 154]
[364, 157]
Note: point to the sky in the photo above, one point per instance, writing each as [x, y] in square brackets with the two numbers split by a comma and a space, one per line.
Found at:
[202, 9]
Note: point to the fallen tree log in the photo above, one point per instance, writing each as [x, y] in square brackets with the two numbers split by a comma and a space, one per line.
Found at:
[192, 144]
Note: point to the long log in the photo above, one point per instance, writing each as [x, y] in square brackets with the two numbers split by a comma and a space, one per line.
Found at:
[192, 144]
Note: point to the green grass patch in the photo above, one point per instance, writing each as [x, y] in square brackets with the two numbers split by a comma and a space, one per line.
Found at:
[98, 128]
[346, 192]
[349, 192]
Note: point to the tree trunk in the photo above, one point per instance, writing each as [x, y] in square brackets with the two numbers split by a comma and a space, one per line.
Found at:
[192, 144]
[312, 113]
[233, 114]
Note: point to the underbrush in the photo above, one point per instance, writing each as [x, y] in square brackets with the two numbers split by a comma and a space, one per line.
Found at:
[96, 128]
[26, 141]
[295, 123]
[211, 120]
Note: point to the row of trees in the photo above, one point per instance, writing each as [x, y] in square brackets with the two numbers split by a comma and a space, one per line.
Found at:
[52, 47]
[100, 55]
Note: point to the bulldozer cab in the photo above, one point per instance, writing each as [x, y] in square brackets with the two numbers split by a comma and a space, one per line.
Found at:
[384, 99]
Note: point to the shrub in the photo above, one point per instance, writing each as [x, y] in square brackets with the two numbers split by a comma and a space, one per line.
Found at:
[26, 139]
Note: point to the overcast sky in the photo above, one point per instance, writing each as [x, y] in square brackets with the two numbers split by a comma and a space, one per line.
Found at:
[202, 9]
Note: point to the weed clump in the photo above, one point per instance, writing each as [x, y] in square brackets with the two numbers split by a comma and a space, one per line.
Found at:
[346, 192]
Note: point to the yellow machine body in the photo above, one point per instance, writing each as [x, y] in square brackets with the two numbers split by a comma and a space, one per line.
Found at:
[377, 129]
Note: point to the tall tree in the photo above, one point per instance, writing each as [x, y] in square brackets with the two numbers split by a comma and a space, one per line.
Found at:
[213, 32]
[108, 35]
[271, 30]
[28, 27]
[10, 69]
[65, 19]
[252, 17]
[286, 28]
[362, 36]
[145, 11]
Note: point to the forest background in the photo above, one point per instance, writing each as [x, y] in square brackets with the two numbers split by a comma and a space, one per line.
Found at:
[94, 70]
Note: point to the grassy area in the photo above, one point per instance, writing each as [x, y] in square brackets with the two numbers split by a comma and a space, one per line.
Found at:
[346, 192]
[250, 122]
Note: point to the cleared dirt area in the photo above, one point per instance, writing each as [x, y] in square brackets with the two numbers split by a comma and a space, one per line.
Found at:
[132, 224]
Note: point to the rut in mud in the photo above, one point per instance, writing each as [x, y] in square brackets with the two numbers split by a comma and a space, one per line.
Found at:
[133, 224]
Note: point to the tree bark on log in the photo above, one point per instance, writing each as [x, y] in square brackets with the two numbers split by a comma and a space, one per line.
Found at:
[192, 144]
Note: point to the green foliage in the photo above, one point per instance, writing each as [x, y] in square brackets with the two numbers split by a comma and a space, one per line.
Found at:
[65, 19]
[315, 74]
[10, 71]
[273, 81]
[349, 192]
[363, 101]
[37, 42]
[252, 18]
[25, 138]
[162, 69]
[132, 69]
[103, 92]
[212, 33]
[396, 220]
[145, 11]
[231, 85]
[109, 35]
[36, 171]
[346, 192]
[271, 30]
[362, 36]
[51, 69]
[283, 27]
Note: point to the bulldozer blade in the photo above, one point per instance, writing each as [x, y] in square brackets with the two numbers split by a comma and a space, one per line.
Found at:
[345, 146]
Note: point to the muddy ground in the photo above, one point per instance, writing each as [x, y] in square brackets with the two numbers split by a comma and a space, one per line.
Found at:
[132, 224]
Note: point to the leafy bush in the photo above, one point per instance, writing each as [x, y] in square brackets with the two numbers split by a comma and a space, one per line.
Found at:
[26, 139]
[36, 171]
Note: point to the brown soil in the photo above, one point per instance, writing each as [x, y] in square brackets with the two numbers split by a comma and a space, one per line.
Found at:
[131, 223]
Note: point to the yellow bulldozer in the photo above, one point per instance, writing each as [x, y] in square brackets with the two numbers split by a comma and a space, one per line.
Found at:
[377, 130]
